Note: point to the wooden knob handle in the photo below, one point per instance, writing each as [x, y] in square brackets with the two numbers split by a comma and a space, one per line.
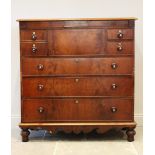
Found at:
[34, 48]
[113, 109]
[119, 47]
[76, 101]
[114, 65]
[40, 109]
[40, 67]
[114, 86]
[120, 34]
[34, 36]
[40, 87]
[76, 80]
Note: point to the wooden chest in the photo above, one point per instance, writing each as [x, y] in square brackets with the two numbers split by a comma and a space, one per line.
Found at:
[77, 75]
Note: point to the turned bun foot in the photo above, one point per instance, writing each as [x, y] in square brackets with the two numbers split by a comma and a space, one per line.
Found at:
[25, 135]
[130, 134]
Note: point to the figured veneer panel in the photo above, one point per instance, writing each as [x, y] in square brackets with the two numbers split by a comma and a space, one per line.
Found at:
[78, 86]
[27, 35]
[124, 34]
[81, 23]
[120, 48]
[78, 66]
[34, 49]
[47, 110]
[78, 41]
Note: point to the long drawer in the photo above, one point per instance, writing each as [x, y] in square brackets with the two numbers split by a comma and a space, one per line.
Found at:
[47, 110]
[65, 66]
[77, 86]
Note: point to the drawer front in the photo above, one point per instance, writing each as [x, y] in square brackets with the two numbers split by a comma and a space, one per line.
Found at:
[73, 24]
[46, 110]
[77, 41]
[77, 86]
[33, 35]
[65, 66]
[34, 49]
[120, 47]
[120, 34]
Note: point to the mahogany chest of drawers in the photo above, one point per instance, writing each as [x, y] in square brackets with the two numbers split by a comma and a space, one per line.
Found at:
[77, 75]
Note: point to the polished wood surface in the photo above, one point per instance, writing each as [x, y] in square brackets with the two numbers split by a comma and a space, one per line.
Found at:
[78, 66]
[74, 41]
[34, 49]
[124, 34]
[119, 48]
[77, 19]
[79, 124]
[77, 86]
[77, 110]
[77, 75]
[27, 35]
[46, 25]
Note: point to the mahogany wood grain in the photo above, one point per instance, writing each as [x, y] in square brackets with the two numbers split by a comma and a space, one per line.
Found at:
[113, 33]
[78, 41]
[120, 47]
[78, 66]
[78, 86]
[27, 49]
[77, 75]
[76, 24]
[26, 35]
[77, 110]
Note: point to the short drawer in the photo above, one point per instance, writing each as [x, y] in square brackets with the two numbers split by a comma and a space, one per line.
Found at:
[34, 49]
[33, 35]
[77, 86]
[120, 47]
[76, 109]
[80, 66]
[120, 34]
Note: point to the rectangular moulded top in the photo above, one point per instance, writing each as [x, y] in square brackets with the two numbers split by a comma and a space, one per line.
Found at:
[77, 19]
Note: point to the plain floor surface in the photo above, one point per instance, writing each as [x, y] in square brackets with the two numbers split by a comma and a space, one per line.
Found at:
[110, 143]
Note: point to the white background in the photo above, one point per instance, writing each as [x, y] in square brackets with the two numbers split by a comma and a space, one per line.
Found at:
[75, 8]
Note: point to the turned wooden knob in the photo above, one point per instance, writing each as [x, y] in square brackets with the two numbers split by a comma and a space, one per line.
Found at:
[40, 109]
[119, 47]
[114, 65]
[120, 34]
[113, 109]
[114, 86]
[34, 48]
[40, 87]
[34, 36]
[40, 67]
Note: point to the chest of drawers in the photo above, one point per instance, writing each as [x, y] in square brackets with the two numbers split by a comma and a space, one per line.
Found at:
[77, 75]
